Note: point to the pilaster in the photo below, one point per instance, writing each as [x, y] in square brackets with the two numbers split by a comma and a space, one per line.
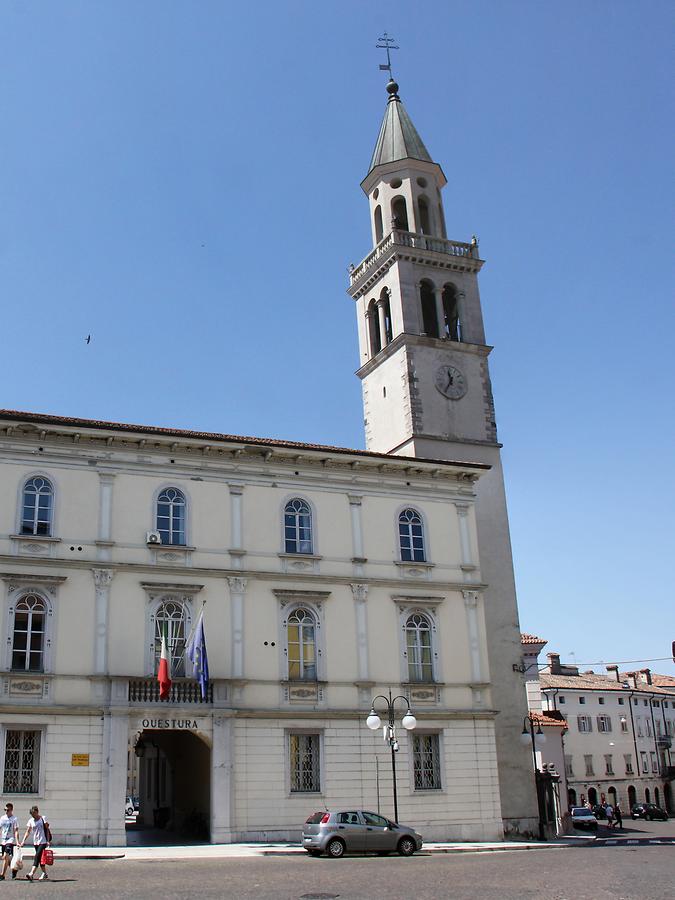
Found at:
[102, 581]
[237, 593]
[105, 502]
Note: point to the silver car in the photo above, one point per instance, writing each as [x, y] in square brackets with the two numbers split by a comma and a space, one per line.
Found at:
[357, 831]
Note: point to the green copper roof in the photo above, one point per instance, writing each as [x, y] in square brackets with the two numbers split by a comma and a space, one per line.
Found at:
[398, 138]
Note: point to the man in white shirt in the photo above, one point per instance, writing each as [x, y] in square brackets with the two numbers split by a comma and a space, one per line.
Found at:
[9, 836]
[41, 839]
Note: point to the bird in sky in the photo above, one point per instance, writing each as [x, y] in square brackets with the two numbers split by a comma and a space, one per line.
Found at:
[87, 340]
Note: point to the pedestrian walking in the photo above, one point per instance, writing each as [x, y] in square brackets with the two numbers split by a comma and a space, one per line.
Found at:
[9, 837]
[609, 812]
[618, 816]
[42, 838]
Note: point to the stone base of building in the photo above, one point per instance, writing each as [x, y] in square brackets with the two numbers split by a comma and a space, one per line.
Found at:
[526, 828]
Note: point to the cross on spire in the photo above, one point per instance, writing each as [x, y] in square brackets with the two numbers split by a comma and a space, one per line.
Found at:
[386, 43]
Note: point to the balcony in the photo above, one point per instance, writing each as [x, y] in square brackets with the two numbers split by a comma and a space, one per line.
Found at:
[664, 741]
[668, 772]
[422, 242]
[183, 691]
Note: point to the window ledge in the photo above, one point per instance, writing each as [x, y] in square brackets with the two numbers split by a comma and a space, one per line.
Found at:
[412, 564]
[35, 537]
[308, 556]
[181, 547]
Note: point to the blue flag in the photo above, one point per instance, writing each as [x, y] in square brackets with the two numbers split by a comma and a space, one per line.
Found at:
[196, 653]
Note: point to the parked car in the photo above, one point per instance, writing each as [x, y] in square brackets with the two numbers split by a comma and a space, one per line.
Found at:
[648, 811]
[583, 818]
[599, 811]
[131, 806]
[336, 832]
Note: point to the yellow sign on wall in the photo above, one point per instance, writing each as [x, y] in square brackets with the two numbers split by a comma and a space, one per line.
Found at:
[79, 759]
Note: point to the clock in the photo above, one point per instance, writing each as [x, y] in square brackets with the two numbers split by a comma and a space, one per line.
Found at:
[450, 382]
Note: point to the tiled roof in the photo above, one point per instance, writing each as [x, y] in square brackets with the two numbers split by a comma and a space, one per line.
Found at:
[664, 681]
[603, 683]
[553, 717]
[66, 421]
[532, 639]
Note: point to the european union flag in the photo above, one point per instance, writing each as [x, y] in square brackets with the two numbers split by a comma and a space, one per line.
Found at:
[196, 653]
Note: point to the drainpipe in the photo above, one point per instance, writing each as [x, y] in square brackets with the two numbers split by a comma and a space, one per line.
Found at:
[632, 726]
[665, 728]
[656, 743]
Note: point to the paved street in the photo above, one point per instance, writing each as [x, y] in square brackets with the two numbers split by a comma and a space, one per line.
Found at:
[579, 873]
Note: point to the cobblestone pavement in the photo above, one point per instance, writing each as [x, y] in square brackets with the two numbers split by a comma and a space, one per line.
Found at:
[620, 872]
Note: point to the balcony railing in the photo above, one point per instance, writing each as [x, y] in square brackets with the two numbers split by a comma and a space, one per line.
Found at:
[664, 741]
[147, 691]
[418, 242]
[668, 772]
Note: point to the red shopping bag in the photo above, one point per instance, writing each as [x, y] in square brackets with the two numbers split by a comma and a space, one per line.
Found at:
[47, 857]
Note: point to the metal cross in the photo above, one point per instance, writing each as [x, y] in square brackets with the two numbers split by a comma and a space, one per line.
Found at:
[386, 43]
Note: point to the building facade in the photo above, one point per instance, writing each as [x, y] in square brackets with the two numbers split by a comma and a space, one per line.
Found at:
[618, 746]
[427, 391]
[326, 577]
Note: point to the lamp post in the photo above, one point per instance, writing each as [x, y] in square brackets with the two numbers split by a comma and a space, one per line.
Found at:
[537, 739]
[389, 731]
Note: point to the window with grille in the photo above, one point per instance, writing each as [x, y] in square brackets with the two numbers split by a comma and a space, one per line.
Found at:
[305, 766]
[171, 516]
[36, 511]
[298, 526]
[301, 646]
[28, 639]
[584, 723]
[22, 759]
[170, 621]
[411, 536]
[426, 762]
[418, 648]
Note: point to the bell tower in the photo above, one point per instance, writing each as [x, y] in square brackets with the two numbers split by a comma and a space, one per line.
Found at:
[427, 393]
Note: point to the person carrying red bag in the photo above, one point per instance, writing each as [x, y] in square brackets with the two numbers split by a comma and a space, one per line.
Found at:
[42, 837]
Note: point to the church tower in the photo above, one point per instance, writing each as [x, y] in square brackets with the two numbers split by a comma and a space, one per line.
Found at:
[427, 393]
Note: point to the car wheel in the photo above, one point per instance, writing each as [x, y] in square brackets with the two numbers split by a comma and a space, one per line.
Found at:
[335, 848]
[406, 846]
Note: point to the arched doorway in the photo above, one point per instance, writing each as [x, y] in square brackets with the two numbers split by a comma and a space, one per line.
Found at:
[571, 797]
[657, 797]
[632, 797]
[648, 796]
[174, 780]
[668, 797]
[611, 793]
[592, 796]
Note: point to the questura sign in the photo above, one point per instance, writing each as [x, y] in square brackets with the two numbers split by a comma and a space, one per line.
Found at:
[188, 724]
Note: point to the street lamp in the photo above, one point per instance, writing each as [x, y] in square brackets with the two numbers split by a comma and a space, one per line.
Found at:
[537, 739]
[389, 731]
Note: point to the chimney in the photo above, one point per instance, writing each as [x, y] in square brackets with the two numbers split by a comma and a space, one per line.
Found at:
[614, 670]
[631, 677]
[646, 676]
[554, 663]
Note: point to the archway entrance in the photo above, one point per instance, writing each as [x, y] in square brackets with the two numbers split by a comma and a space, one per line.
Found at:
[571, 797]
[668, 797]
[632, 797]
[648, 796]
[592, 796]
[657, 798]
[174, 788]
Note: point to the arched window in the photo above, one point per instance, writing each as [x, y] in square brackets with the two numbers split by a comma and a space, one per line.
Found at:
[571, 797]
[424, 216]
[657, 797]
[171, 516]
[647, 796]
[28, 640]
[378, 224]
[399, 213]
[374, 335]
[451, 313]
[170, 621]
[418, 648]
[411, 536]
[298, 526]
[428, 301]
[388, 330]
[301, 646]
[37, 505]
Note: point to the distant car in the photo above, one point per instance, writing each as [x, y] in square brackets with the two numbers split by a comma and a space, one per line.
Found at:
[337, 832]
[648, 811]
[583, 818]
[130, 806]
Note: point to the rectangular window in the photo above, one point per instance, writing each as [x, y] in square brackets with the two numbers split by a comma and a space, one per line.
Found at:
[645, 762]
[601, 701]
[584, 723]
[604, 724]
[582, 700]
[620, 701]
[426, 762]
[638, 726]
[627, 758]
[561, 699]
[608, 764]
[658, 727]
[655, 762]
[588, 759]
[624, 724]
[648, 724]
[22, 760]
[304, 751]
[569, 770]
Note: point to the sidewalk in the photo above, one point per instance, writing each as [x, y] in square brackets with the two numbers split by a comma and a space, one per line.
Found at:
[233, 851]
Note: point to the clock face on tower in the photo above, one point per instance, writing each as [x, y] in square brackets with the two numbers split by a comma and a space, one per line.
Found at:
[450, 382]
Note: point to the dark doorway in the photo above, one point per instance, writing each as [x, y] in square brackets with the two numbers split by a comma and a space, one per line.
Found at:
[571, 797]
[174, 780]
[592, 796]
[668, 797]
[632, 797]
[648, 796]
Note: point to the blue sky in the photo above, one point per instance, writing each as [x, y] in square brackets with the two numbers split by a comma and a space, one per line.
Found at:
[181, 180]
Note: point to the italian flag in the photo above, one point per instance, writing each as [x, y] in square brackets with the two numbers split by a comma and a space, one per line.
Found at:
[164, 671]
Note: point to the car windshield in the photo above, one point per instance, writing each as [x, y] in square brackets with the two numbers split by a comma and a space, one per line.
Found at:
[580, 811]
[315, 818]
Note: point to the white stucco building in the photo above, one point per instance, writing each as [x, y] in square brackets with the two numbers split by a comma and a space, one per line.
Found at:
[327, 576]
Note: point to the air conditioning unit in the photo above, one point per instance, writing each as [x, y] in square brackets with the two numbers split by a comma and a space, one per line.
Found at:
[153, 537]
